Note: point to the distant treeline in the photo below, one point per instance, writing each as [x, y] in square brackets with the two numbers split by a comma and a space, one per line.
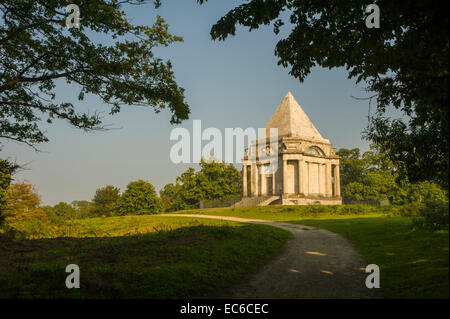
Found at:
[367, 177]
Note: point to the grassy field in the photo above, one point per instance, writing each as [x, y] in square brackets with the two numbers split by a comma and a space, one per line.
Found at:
[136, 257]
[414, 263]
[175, 257]
[292, 213]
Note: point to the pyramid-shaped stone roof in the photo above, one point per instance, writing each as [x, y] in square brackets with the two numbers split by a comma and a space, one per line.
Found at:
[292, 121]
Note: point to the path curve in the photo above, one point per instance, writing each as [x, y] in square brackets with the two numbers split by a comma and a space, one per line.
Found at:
[316, 263]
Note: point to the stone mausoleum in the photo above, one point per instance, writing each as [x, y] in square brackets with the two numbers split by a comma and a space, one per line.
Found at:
[308, 168]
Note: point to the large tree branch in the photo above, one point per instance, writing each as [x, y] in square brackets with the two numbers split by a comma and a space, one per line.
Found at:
[14, 33]
[45, 77]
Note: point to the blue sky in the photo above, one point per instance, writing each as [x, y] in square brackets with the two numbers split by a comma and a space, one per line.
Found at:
[236, 83]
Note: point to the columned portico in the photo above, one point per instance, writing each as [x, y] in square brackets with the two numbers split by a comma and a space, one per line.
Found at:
[308, 168]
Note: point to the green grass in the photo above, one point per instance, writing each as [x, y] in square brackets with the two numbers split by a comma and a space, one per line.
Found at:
[414, 263]
[137, 257]
[289, 213]
[175, 257]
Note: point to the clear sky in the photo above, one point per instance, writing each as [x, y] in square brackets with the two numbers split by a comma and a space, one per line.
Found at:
[235, 83]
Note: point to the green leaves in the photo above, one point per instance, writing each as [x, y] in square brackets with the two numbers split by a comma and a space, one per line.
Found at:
[105, 199]
[405, 62]
[37, 49]
[6, 171]
[372, 176]
[139, 198]
[64, 209]
[213, 180]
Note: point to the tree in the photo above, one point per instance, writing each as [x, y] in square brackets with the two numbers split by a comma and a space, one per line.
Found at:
[139, 198]
[170, 197]
[37, 50]
[104, 200]
[369, 176]
[372, 176]
[64, 210]
[213, 180]
[84, 208]
[405, 63]
[24, 203]
[6, 170]
[218, 179]
[375, 185]
[351, 166]
[420, 193]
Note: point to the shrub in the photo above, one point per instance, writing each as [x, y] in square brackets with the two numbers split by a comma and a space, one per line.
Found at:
[434, 216]
[419, 193]
[318, 210]
[410, 210]
[49, 227]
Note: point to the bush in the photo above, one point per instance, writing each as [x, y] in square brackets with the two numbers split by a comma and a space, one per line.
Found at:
[409, 210]
[419, 193]
[50, 227]
[318, 210]
[434, 216]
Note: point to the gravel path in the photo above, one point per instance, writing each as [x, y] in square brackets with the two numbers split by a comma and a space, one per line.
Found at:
[316, 263]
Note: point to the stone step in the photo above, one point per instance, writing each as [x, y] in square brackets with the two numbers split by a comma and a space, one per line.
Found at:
[269, 201]
[256, 201]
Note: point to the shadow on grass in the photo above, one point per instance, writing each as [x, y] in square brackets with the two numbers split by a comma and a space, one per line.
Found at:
[188, 262]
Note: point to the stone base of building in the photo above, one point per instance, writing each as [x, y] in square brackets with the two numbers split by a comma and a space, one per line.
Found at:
[288, 199]
[295, 199]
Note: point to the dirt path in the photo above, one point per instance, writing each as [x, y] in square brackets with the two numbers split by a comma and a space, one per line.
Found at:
[316, 263]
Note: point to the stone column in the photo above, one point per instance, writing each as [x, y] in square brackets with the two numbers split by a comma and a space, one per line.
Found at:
[319, 178]
[252, 180]
[328, 181]
[285, 179]
[257, 180]
[309, 179]
[323, 179]
[300, 176]
[337, 181]
[244, 179]
[263, 183]
[274, 184]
